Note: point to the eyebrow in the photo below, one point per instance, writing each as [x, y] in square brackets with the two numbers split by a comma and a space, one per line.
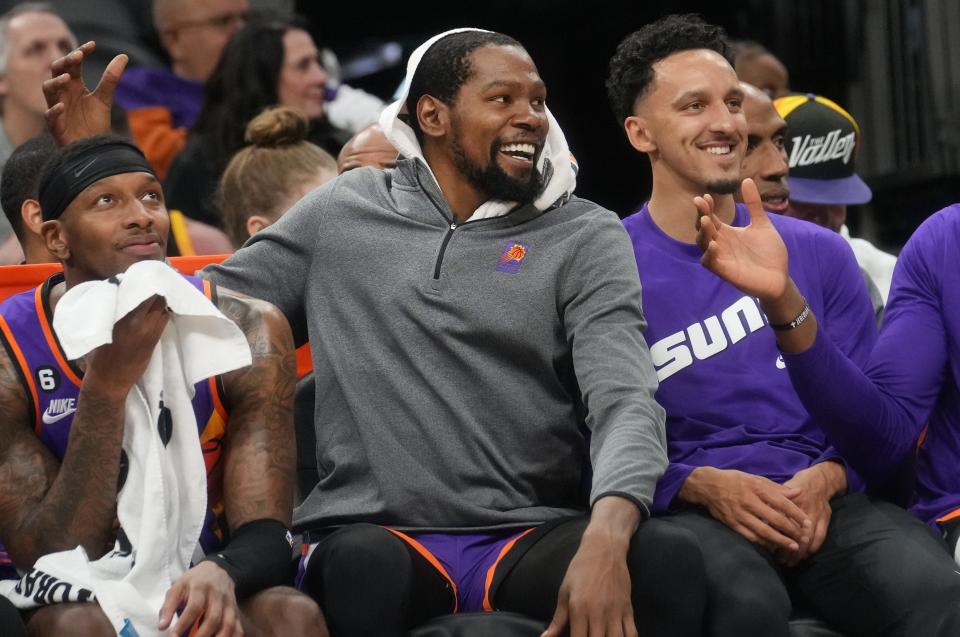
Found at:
[689, 95]
[508, 84]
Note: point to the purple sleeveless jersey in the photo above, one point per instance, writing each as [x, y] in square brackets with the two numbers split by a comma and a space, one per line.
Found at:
[53, 386]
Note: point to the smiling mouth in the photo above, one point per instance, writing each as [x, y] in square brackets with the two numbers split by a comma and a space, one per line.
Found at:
[776, 201]
[719, 150]
[520, 152]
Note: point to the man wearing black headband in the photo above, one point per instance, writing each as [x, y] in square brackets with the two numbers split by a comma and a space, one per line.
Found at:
[63, 420]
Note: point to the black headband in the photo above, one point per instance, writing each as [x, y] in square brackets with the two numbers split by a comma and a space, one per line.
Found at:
[61, 185]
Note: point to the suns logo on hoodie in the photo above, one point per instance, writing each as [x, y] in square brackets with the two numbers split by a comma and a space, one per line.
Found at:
[512, 258]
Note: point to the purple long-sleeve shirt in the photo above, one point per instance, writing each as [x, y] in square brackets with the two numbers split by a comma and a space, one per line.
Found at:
[876, 417]
[729, 399]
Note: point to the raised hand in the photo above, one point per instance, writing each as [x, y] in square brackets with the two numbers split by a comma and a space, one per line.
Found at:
[754, 258]
[74, 112]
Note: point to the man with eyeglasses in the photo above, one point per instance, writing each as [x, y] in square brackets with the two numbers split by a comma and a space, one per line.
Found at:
[163, 103]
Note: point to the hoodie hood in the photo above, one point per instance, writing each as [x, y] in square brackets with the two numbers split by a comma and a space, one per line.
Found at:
[555, 162]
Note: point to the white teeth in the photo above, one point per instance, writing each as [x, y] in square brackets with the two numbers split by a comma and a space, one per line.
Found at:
[718, 150]
[527, 149]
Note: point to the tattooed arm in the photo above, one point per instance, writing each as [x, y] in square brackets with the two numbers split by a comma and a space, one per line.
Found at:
[46, 506]
[259, 446]
[260, 461]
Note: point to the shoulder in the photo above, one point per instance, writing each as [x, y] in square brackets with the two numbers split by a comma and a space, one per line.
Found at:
[940, 230]
[584, 214]
[250, 313]
[808, 238]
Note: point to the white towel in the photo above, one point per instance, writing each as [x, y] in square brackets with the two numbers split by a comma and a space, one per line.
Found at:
[555, 164]
[163, 502]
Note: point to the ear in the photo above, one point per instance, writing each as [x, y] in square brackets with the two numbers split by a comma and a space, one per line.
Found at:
[31, 215]
[256, 223]
[434, 116]
[53, 237]
[638, 134]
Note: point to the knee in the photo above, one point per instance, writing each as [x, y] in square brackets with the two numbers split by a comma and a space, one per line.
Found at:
[361, 547]
[666, 554]
[284, 612]
[82, 620]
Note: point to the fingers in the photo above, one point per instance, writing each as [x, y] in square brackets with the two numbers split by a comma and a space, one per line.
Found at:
[819, 533]
[212, 621]
[190, 615]
[751, 197]
[72, 62]
[559, 621]
[766, 535]
[110, 78]
[54, 88]
[170, 604]
[629, 625]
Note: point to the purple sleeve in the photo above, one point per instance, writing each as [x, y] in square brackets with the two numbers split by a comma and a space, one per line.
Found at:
[669, 485]
[875, 417]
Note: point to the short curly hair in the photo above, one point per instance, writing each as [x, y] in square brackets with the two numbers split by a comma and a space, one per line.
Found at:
[445, 67]
[631, 67]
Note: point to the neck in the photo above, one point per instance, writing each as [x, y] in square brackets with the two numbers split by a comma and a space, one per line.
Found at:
[462, 197]
[35, 251]
[672, 209]
[182, 71]
[20, 124]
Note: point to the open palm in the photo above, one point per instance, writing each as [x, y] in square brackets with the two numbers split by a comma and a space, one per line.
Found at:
[754, 258]
[74, 111]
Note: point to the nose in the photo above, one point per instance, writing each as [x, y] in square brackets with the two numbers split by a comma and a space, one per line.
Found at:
[774, 164]
[530, 116]
[138, 215]
[319, 74]
[725, 121]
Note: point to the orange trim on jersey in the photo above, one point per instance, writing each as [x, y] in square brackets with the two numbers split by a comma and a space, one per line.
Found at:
[51, 339]
[215, 395]
[923, 436]
[24, 371]
[207, 289]
[434, 562]
[953, 515]
[487, 606]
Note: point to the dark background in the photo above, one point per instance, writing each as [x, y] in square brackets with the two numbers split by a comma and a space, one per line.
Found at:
[894, 64]
[890, 62]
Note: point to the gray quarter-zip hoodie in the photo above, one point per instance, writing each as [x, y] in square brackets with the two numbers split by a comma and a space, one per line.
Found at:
[459, 369]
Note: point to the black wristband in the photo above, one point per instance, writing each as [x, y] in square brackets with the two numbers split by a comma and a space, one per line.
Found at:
[258, 555]
[795, 323]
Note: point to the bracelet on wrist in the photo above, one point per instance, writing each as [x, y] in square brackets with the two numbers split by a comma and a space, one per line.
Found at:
[796, 322]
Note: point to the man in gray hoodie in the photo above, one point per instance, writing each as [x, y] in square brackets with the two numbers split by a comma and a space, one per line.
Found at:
[487, 435]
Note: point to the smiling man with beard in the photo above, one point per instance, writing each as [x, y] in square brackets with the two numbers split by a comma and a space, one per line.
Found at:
[470, 322]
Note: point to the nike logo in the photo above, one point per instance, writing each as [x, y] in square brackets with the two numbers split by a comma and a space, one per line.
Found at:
[80, 171]
[780, 363]
[58, 409]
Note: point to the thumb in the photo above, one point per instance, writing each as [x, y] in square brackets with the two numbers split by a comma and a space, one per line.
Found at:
[110, 79]
[751, 197]
[559, 621]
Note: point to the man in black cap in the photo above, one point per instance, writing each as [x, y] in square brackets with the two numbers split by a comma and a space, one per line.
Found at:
[822, 142]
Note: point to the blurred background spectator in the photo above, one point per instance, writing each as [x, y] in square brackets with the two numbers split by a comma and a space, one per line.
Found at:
[32, 36]
[889, 62]
[271, 61]
[369, 147]
[278, 167]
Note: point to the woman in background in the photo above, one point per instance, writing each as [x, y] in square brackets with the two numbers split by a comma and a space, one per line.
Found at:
[277, 168]
[271, 61]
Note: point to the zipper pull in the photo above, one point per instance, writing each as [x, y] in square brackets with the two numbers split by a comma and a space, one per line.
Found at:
[453, 226]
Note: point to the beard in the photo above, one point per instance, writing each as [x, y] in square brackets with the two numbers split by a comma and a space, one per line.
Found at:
[723, 186]
[493, 180]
